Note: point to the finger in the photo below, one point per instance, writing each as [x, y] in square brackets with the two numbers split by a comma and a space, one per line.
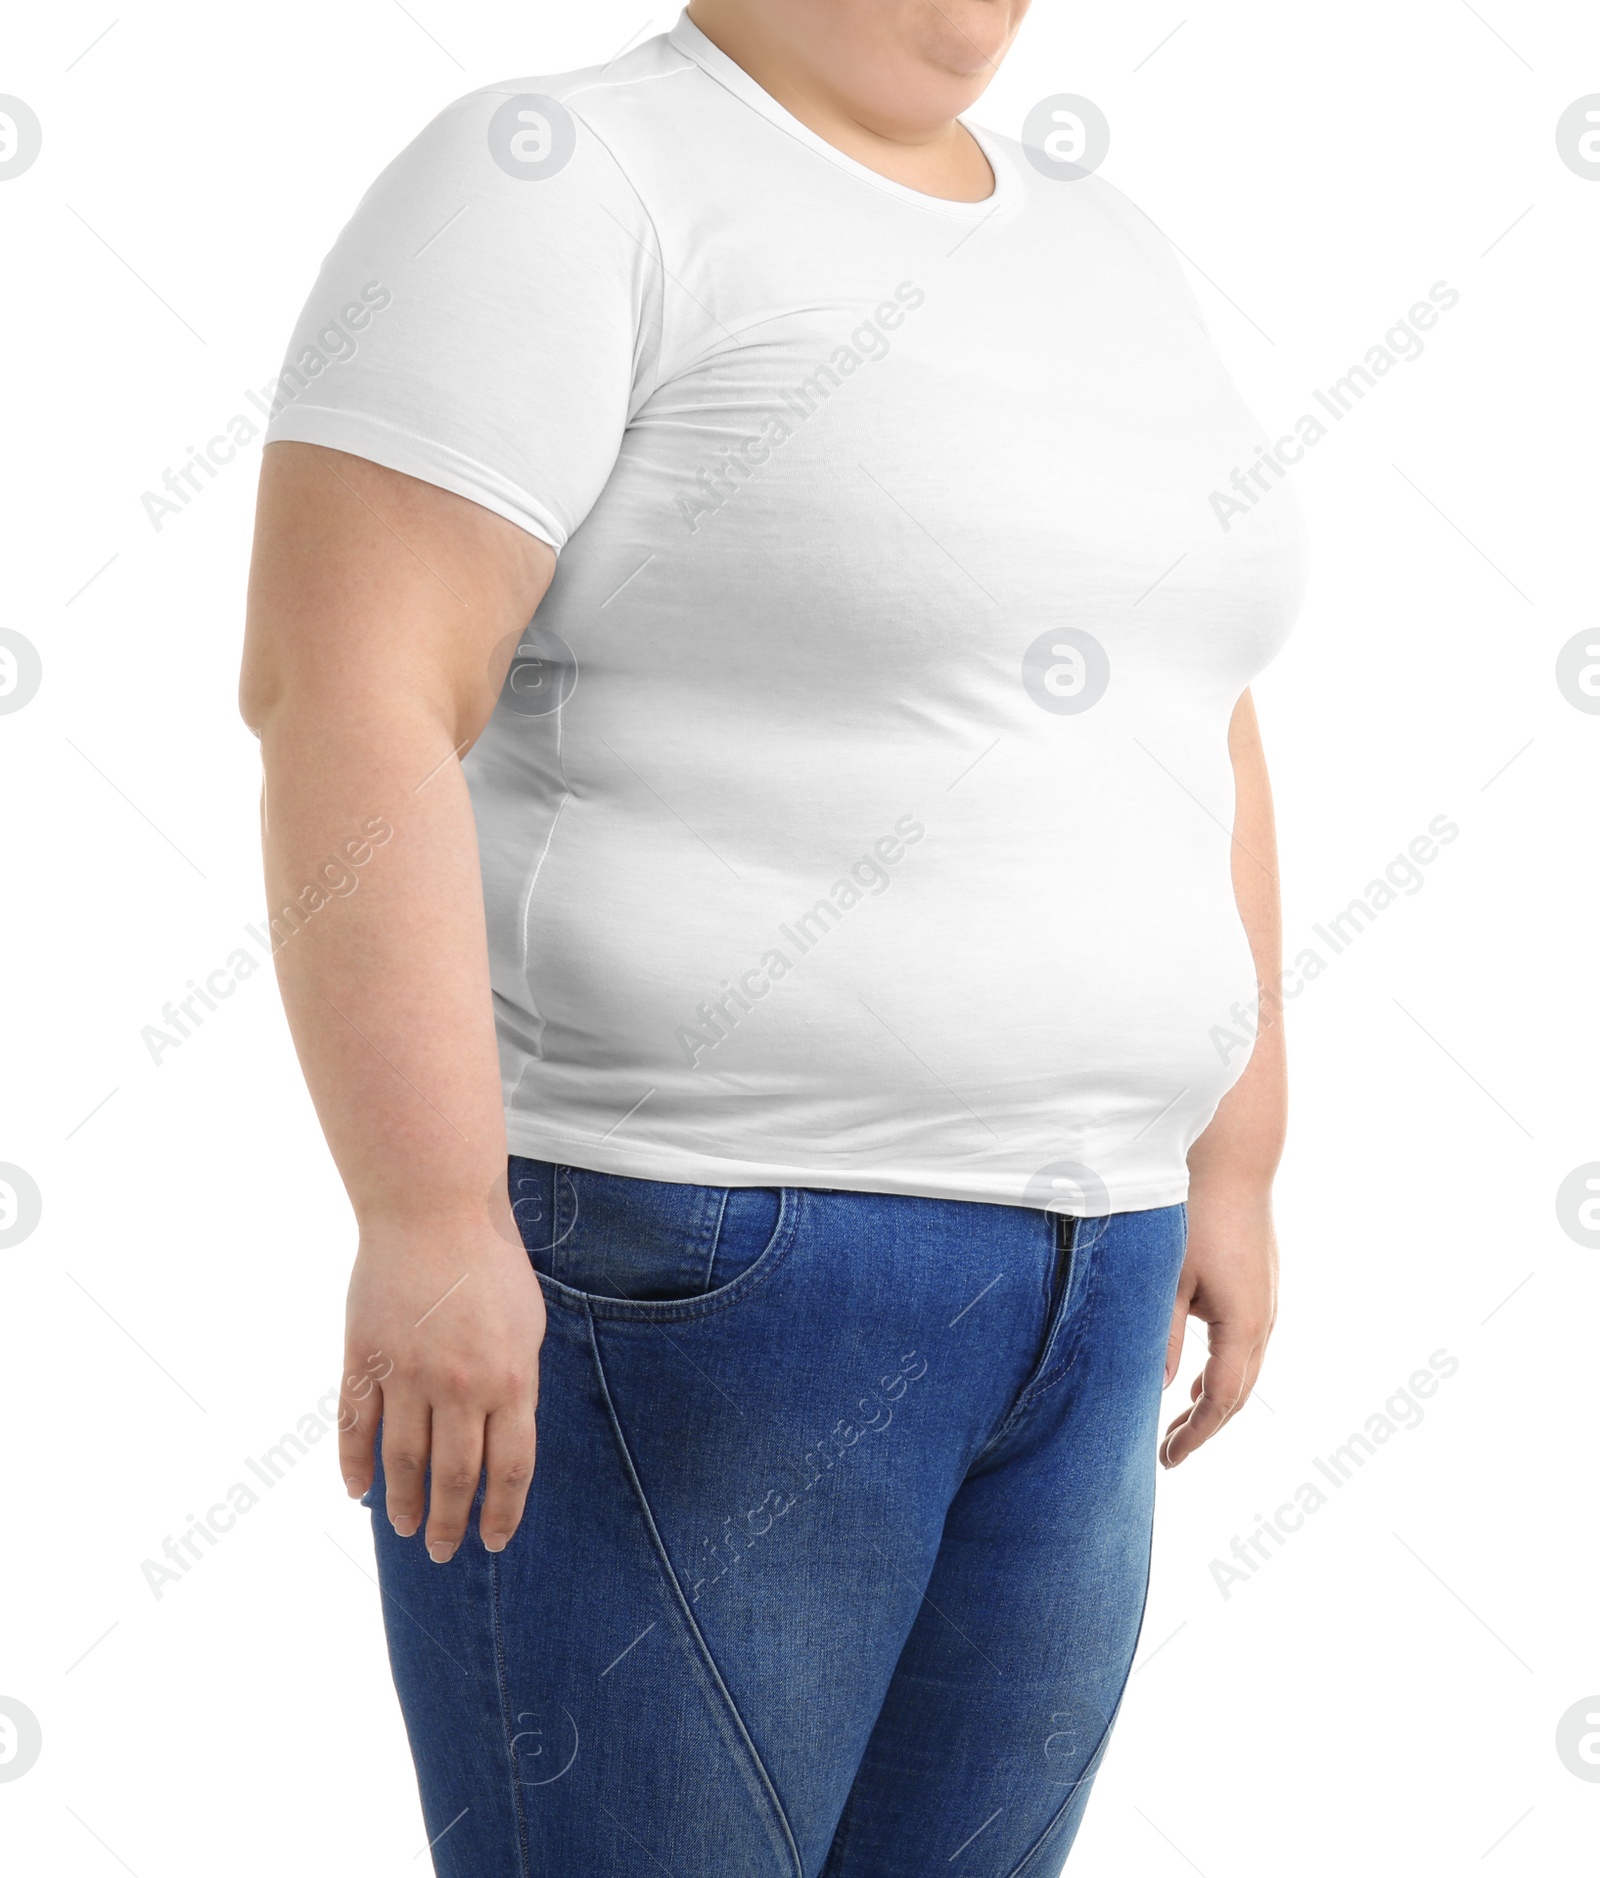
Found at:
[1175, 1336]
[1233, 1365]
[455, 1462]
[508, 1467]
[406, 1427]
[1221, 1390]
[360, 1413]
[1215, 1397]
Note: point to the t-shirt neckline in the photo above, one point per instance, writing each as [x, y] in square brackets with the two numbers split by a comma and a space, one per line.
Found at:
[688, 39]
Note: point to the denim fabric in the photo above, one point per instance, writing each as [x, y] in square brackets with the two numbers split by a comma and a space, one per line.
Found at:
[836, 1552]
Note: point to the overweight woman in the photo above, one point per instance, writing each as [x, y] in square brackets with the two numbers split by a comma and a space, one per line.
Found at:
[755, 587]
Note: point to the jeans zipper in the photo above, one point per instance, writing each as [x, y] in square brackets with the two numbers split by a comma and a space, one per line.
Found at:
[1065, 1227]
[1060, 1278]
[1055, 1304]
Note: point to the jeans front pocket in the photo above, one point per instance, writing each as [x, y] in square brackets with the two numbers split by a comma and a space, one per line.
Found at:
[746, 1229]
[618, 1238]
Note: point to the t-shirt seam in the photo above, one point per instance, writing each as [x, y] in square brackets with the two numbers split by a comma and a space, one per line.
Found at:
[713, 347]
[639, 78]
[655, 232]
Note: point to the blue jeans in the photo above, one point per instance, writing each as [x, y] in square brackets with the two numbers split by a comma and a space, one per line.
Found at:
[836, 1552]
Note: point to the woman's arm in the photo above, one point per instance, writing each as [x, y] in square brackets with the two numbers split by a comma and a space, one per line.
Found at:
[383, 613]
[1230, 1273]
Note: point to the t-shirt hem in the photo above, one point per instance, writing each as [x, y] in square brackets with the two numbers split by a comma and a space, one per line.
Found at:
[362, 435]
[707, 1170]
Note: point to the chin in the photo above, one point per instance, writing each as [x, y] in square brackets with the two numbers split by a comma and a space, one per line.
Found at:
[967, 38]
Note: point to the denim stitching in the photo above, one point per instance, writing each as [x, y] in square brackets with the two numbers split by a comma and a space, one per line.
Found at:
[563, 1213]
[1031, 1855]
[503, 1690]
[687, 1614]
[1093, 1764]
[712, 1233]
[554, 1239]
[834, 1866]
[1052, 1369]
[1050, 1377]
[677, 1310]
[1040, 1375]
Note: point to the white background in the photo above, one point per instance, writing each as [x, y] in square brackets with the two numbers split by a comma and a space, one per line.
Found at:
[1383, 1693]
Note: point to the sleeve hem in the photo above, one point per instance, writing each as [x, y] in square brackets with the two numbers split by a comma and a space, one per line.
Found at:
[380, 442]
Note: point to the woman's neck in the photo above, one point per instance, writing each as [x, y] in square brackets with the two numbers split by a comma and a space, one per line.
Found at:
[894, 113]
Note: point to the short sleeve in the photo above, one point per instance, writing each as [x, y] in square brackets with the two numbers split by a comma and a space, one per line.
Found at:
[484, 326]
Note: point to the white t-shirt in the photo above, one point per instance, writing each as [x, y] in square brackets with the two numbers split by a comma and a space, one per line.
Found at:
[857, 812]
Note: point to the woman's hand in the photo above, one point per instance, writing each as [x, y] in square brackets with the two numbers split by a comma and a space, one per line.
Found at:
[1230, 1282]
[442, 1334]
